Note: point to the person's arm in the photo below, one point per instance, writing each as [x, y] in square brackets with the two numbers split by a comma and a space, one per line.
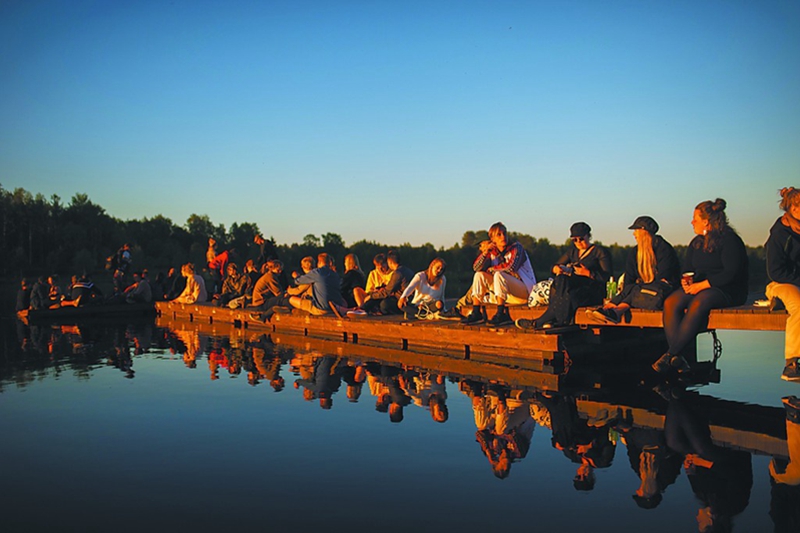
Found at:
[395, 282]
[416, 281]
[513, 259]
[780, 267]
[734, 259]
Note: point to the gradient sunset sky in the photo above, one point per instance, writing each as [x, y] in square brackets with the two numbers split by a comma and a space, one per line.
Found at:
[406, 121]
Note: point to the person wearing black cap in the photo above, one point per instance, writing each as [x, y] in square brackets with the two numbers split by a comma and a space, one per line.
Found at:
[581, 276]
[652, 272]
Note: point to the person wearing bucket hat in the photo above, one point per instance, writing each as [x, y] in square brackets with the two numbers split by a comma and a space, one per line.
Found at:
[652, 272]
[580, 280]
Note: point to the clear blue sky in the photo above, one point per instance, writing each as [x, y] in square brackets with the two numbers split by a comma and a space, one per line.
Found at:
[406, 121]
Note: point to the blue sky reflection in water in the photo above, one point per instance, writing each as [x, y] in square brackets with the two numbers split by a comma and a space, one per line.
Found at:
[173, 449]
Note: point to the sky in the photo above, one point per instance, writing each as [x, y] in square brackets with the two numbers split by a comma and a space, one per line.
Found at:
[406, 121]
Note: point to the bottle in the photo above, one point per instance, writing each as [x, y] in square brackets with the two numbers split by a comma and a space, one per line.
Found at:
[611, 288]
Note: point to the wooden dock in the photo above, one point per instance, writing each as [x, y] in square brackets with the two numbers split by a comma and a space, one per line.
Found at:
[555, 348]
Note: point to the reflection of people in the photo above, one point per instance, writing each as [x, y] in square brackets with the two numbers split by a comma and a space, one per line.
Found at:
[717, 260]
[655, 464]
[581, 276]
[587, 446]
[652, 272]
[785, 478]
[502, 270]
[783, 270]
[721, 479]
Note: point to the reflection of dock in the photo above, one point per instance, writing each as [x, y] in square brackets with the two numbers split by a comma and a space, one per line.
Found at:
[754, 428]
[506, 345]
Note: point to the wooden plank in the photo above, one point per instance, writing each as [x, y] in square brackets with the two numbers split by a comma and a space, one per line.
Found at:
[763, 442]
[747, 318]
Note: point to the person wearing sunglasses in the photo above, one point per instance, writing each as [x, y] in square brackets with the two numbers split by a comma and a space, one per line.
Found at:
[580, 280]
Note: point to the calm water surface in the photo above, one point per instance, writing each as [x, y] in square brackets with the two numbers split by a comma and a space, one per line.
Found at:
[133, 427]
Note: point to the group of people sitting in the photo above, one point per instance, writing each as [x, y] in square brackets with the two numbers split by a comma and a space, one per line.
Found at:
[714, 274]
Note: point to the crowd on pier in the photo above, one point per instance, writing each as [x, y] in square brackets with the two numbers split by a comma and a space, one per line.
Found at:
[713, 275]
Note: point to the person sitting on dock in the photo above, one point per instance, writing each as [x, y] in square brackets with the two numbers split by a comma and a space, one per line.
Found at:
[233, 286]
[324, 285]
[426, 290]
[195, 290]
[83, 292]
[384, 300]
[352, 280]
[652, 272]
[140, 291]
[39, 294]
[715, 276]
[502, 269]
[378, 278]
[783, 271]
[581, 276]
[269, 292]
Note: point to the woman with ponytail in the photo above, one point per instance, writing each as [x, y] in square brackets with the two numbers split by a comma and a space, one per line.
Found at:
[715, 276]
[783, 271]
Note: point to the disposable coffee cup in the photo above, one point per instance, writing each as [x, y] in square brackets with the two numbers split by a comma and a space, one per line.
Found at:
[688, 277]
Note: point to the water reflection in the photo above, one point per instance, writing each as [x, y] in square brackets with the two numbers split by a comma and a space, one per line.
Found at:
[667, 432]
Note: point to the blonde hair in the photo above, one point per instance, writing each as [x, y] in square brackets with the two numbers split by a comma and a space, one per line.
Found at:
[645, 256]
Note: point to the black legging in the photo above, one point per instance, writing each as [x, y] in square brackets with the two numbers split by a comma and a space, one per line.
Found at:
[686, 315]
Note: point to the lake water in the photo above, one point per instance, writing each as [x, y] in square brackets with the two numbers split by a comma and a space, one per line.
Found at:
[131, 427]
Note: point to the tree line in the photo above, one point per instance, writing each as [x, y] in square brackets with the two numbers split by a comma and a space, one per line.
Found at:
[40, 235]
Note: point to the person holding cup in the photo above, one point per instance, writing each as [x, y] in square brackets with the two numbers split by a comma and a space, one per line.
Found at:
[715, 275]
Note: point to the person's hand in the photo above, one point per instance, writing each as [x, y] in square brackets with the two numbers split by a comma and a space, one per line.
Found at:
[581, 270]
[486, 247]
[401, 303]
[694, 288]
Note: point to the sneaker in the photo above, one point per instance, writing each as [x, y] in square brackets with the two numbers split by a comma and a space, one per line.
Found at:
[791, 372]
[524, 323]
[473, 319]
[335, 310]
[450, 313]
[609, 316]
[792, 406]
[663, 363]
[500, 319]
[256, 316]
[356, 313]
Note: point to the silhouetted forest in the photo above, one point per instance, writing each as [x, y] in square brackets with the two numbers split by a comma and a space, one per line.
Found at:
[44, 236]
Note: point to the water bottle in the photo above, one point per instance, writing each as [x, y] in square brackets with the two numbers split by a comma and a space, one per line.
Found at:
[611, 288]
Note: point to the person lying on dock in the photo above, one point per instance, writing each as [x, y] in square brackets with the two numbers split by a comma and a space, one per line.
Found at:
[652, 272]
[426, 291]
[324, 285]
[502, 269]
